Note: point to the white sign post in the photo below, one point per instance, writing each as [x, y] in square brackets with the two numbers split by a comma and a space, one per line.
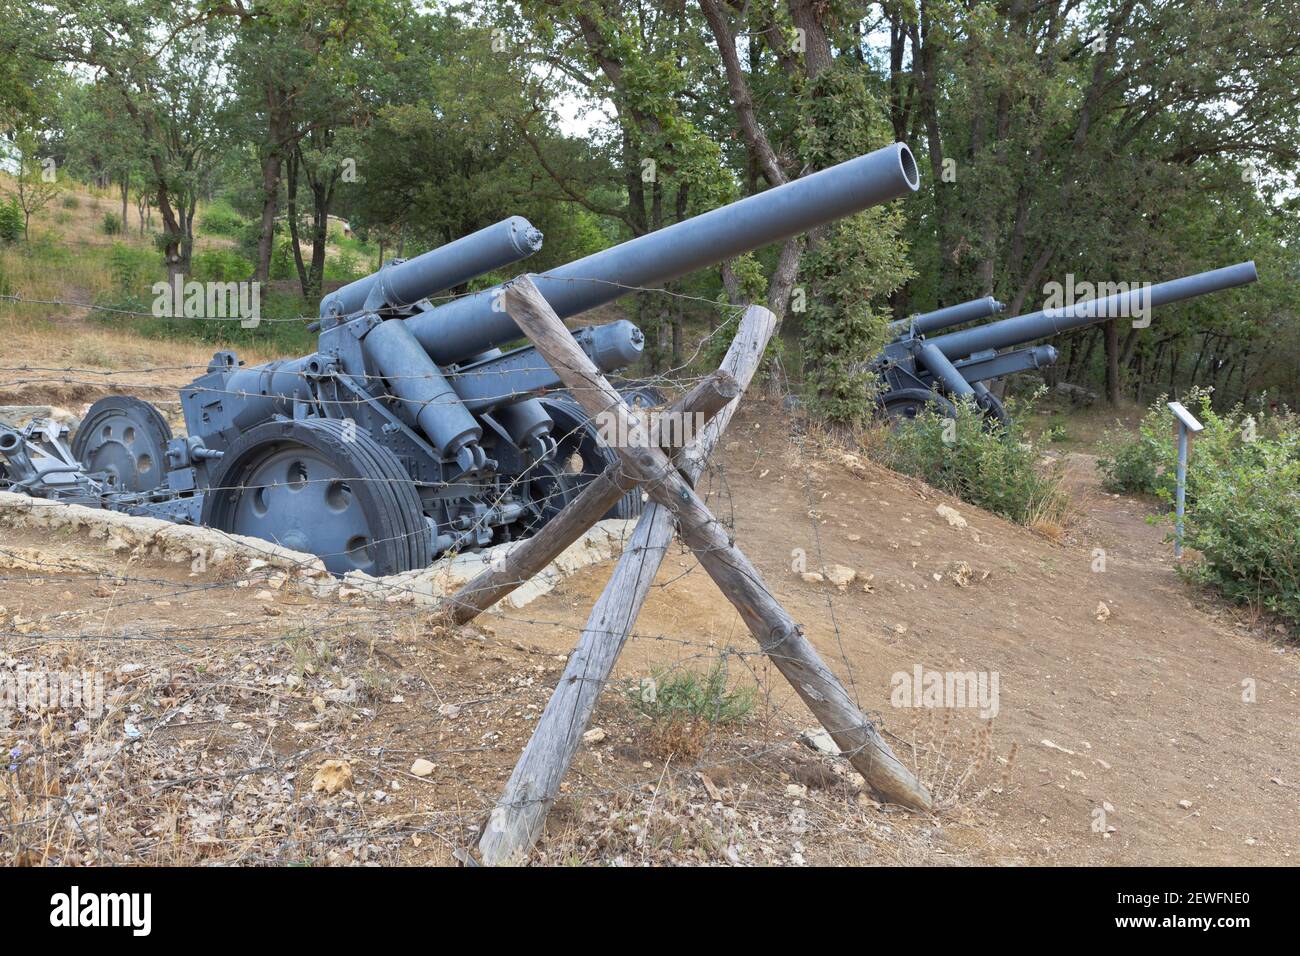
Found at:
[1187, 425]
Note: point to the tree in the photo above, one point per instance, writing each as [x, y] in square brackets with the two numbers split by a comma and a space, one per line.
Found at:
[1104, 139]
[166, 69]
[36, 180]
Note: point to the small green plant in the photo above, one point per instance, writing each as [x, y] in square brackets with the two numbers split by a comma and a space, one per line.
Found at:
[133, 270]
[112, 224]
[131, 267]
[683, 706]
[220, 265]
[1056, 430]
[990, 465]
[11, 221]
[220, 219]
[282, 261]
[346, 266]
[70, 201]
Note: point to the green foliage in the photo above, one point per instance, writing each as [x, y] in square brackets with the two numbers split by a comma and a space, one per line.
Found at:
[1246, 525]
[220, 265]
[280, 329]
[133, 268]
[855, 263]
[70, 201]
[682, 706]
[282, 261]
[112, 224]
[345, 267]
[992, 466]
[1243, 495]
[220, 219]
[11, 221]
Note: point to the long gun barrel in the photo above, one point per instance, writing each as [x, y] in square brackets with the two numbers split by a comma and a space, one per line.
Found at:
[473, 324]
[1136, 302]
[947, 317]
[407, 282]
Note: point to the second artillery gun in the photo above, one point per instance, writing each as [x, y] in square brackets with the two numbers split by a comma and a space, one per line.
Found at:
[917, 369]
[409, 432]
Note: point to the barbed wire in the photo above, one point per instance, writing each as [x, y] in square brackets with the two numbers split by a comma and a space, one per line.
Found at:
[374, 616]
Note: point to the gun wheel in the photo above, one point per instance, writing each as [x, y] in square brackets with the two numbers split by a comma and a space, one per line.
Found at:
[551, 486]
[907, 403]
[583, 455]
[126, 440]
[318, 487]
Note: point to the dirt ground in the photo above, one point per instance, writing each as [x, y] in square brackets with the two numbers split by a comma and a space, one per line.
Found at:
[1138, 721]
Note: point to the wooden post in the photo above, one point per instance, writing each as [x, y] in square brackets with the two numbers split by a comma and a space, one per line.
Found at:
[777, 633]
[516, 822]
[706, 400]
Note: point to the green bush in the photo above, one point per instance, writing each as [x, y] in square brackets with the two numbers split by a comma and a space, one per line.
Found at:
[220, 220]
[282, 262]
[1242, 496]
[70, 201]
[220, 265]
[112, 224]
[133, 269]
[1246, 525]
[992, 466]
[681, 707]
[11, 221]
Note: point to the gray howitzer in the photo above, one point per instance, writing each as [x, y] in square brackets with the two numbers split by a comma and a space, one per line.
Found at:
[917, 369]
[409, 431]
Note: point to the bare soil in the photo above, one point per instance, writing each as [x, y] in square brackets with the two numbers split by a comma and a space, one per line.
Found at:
[1126, 729]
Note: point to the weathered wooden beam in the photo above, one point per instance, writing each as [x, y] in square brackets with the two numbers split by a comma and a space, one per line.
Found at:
[514, 822]
[530, 556]
[517, 820]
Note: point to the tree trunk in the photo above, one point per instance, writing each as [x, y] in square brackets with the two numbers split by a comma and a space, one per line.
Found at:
[270, 203]
[1112, 361]
[291, 203]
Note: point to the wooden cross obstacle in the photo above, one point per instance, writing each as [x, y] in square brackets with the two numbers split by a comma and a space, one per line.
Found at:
[516, 822]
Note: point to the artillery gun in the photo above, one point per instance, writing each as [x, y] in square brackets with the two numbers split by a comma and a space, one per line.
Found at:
[409, 431]
[917, 369]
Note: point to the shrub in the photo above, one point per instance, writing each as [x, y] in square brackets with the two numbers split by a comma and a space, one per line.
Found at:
[132, 268]
[220, 265]
[346, 266]
[282, 263]
[990, 465]
[112, 224]
[683, 706]
[70, 201]
[1243, 496]
[11, 221]
[1246, 525]
[220, 220]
